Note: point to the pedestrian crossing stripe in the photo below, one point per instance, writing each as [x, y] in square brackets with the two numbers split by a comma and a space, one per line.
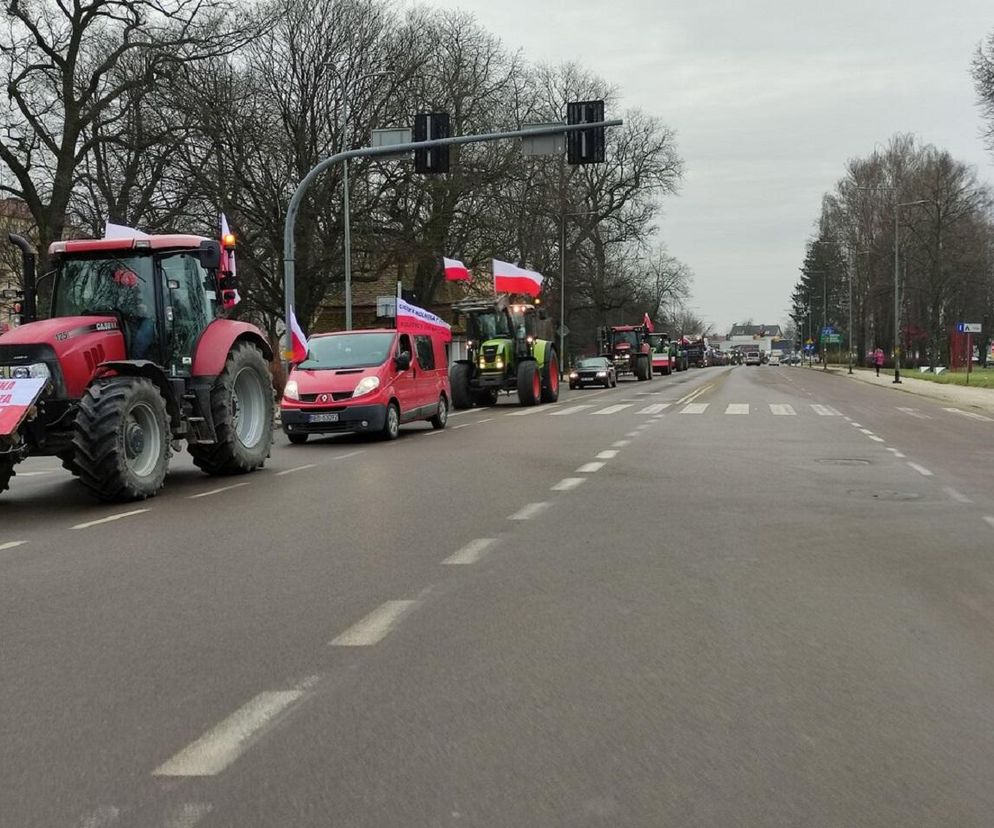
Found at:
[613, 409]
[782, 409]
[695, 408]
[562, 412]
[824, 410]
[737, 408]
[655, 408]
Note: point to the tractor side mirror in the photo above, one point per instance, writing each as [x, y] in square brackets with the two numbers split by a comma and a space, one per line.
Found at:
[210, 255]
[403, 361]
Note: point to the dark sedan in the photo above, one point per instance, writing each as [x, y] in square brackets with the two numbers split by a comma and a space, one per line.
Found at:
[593, 371]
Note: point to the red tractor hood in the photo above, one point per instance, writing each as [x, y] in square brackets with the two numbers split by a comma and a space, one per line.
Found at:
[56, 331]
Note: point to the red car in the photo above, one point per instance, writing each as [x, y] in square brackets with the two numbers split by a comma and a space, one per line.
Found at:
[367, 381]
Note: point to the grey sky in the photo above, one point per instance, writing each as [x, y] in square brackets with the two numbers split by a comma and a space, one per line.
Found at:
[769, 99]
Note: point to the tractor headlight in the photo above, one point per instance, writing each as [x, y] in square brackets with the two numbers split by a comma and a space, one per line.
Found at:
[499, 363]
[365, 386]
[483, 362]
[33, 371]
[290, 390]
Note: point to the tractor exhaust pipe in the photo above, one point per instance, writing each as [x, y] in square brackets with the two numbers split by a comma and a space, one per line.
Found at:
[29, 309]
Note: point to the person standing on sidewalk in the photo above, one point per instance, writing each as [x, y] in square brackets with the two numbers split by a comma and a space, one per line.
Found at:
[878, 359]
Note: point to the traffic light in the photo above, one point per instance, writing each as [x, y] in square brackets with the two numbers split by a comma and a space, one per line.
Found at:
[427, 127]
[585, 146]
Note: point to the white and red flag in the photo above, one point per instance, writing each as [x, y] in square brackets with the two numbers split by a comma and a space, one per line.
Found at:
[509, 278]
[415, 320]
[298, 342]
[648, 323]
[455, 271]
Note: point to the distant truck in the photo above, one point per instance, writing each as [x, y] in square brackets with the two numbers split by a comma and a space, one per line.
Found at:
[663, 353]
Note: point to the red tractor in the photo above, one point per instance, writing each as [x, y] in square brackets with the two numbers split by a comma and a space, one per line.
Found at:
[137, 357]
[628, 347]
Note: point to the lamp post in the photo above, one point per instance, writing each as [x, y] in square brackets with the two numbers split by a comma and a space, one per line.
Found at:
[346, 222]
[562, 285]
[897, 305]
[824, 312]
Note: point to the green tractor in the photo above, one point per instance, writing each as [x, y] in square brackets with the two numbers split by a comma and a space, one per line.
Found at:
[510, 347]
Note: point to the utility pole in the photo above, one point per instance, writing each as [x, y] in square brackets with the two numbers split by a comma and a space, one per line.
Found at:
[897, 304]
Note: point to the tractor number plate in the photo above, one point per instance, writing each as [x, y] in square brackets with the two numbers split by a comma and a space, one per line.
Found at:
[324, 417]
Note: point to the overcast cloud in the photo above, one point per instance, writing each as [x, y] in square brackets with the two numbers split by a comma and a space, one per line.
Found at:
[769, 99]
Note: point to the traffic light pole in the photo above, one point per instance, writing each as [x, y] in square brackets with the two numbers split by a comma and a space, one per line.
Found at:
[290, 223]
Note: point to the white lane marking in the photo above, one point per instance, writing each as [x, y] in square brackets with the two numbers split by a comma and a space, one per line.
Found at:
[989, 520]
[587, 468]
[693, 395]
[855, 425]
[462, 425]
[959, 497]
[296, 469]
[571, 410]
[529, 511]
[486, 420]
[118, 516]
[229, 739]
[610, 454]
[218, 491]
[613, 409]
[632, 434]
[433, 432]
[782, 409]
[913, 412]
[972, 415]
[471, 552]
[642, 427]
[824, 410]
[374, 627]
[10, 545]
[32, 474]
[737, 408]
[920, 469]
[876, 439]
[347, 456]
[621, 443]
[530, 410]
[655, 408]
[102, 817]
[568, 483]
[187, 815]
[460, 413]
[695, 408]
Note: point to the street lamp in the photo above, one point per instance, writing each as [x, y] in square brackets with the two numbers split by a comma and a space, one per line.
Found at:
[824, 312]
[562, 285]
[347, 227]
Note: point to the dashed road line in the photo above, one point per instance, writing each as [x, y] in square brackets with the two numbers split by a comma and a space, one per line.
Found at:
[855, 424]
[610, 454]
[230, 738]
[10, 545]
[913, 412]
[110, 518]
[971, 414]
[374, 627]
[737, 408]
[296, 469]
[866, 431]
[471, 552]
[486, 420]
[920, 469]
[529, 511]
[632, 434]
[959, 497]
[568, 483]
[588, 468]
[782, 410]
[876, 439]
[461, 425]
[34, 473]
[347, 456]
[218, 491]
[621, 443]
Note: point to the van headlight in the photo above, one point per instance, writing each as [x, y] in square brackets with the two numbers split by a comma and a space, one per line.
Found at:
[290, 390]
[365, 386]
[33, 371]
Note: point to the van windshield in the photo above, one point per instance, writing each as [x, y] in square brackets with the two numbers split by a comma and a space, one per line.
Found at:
[355, 350]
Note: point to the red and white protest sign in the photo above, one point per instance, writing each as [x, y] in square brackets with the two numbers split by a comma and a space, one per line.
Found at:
[412, 319]
[16, 397]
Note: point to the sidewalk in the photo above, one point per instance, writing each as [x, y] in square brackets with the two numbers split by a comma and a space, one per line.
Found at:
[979, 399]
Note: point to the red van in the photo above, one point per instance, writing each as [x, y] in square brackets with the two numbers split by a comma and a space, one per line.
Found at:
[367, 381]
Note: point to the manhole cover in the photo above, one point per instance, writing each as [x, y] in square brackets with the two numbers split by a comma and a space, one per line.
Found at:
[869, 494]
[843, 461]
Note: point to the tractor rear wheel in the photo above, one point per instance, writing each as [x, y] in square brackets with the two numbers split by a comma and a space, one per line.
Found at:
[6, 470]
[462, 397]
[122, 439]
[242, 406]
[529, 382]
[550, 380]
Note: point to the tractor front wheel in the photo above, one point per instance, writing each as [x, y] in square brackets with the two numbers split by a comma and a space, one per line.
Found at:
[242, 406]
[122, 439]
[529, 382]
[550, 380]
[462, 397]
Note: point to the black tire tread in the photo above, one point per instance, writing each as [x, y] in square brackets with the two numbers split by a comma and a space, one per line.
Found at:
[462, 396]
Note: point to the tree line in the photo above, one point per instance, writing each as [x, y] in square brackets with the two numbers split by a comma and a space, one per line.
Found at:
[160, 113]
[942, 217]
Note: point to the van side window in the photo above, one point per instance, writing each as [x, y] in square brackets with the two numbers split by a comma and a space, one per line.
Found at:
[404, 345]
[426, 354]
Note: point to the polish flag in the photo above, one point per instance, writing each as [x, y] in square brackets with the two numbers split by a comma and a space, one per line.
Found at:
[298, 342]
[509, 278]
[648, 323]
[455, 271]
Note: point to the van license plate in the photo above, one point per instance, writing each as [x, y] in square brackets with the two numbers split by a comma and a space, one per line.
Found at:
[324, 417]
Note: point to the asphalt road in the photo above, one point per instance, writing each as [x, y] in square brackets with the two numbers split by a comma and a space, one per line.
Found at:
[733, 596]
